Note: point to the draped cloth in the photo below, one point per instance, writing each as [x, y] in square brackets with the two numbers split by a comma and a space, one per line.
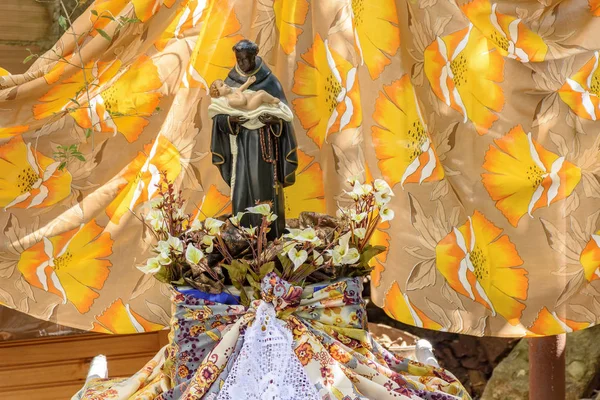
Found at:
[326, 327]
[482, 115]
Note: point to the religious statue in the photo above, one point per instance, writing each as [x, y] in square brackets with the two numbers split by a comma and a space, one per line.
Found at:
[253, 142]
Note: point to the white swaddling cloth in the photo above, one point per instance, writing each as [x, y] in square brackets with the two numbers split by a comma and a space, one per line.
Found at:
[221, 106]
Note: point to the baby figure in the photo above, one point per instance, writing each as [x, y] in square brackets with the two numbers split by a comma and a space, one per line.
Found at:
[241, 98]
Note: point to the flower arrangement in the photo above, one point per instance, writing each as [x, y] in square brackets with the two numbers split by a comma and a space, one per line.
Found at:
[214, 253]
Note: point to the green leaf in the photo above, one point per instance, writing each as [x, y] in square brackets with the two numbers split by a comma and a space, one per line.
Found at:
[368, 253]
[72, 147]
[88, 132]
[287, 264]
[104, 35]
[94, 12]
[266, 269]
[157, 109]
[75, 101]
[62, 165]
[28, 58]
[62, 21]
[108, 17]
[79, 157]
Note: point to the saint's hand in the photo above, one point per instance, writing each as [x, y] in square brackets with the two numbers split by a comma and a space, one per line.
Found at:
[268, 119]
[237, 119]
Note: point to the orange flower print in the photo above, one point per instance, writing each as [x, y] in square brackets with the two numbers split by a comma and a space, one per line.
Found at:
[463, 69]
[212, 57]
[548, 323]
[328, 85]
[29, 178]
[70, 264]
[590, 258]
[581, 90]
[594, 7]
[305, 353]
[119, 318]
[143, 175]
[308, 193]
[402, 143]
[144, 9]
[510, 35]
[380, 238]
[339, 354]
[289, 16]
[398, 306]
[376, 33]
[523, 176]
[214, 204]
[7, 133]
[479, 262]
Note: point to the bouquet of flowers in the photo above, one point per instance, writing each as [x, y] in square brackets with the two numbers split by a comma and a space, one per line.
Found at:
[211, 254]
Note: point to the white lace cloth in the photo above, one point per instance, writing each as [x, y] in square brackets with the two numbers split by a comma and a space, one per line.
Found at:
[267, 367]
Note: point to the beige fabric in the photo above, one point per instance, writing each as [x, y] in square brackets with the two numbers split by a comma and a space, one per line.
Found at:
[482, 116]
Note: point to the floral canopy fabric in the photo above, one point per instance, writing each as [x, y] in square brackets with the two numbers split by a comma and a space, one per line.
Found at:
[482, 116]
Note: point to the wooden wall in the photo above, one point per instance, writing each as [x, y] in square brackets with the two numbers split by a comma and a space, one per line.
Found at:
[55, 368]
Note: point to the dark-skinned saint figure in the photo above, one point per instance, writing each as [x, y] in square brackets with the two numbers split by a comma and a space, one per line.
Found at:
[256, 163]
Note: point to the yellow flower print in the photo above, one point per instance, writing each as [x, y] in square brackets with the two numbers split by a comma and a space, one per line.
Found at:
[376, 33]
[548, 323]
[463, 69]
[289, 15]
[144, 9]
[214, 204]
[122, 106]
[143, 175]
[523, 176]
[400, 138]
[308, 193]
[581, 90]
[119, 318]
[510, 35]
[590, 258]
[328, 84]
[479, 262]
[187, 17]
[70, 264]
[212, 57]
[30, 179]
[398, 306]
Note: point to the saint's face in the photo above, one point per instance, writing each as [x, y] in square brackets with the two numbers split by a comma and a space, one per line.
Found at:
[246, 61]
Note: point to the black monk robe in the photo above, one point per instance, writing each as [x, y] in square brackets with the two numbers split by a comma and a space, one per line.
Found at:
[255, 177]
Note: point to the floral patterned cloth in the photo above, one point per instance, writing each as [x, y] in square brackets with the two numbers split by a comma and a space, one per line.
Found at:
[329, 338]
[482, 115]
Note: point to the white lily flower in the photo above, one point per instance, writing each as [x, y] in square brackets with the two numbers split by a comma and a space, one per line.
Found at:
[213, 225]
[353, 180]
[386, 214]
[382, 198]
[163, 247]
[352, 256]
[298, 257]
[360, 232]
[287, 247]
[164, 258]
[308, 235]
[193, 255]
[318, 258]
[271, 217]
[249, 231]
[152, 266]
[175, 244]
[354, 216]
[208, 241]
[336, 256]
[196, 225]
[382, 187]
[362, 190]
[262, 209]
[156, 220]
[345, 240]
[237, 218]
